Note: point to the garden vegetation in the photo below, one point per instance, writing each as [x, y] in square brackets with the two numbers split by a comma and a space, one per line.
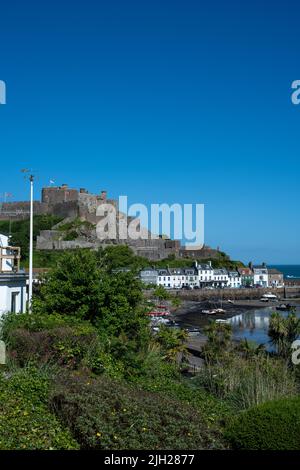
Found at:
[85, 371]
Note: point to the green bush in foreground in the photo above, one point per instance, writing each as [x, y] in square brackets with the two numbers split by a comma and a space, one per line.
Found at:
[107, 414]
[271, 426]
[25, 421]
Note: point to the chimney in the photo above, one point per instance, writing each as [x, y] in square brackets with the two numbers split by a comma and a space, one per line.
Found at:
[103, 195]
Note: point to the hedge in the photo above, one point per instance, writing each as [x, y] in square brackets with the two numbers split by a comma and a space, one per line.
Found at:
[103, 413]
[274, 425]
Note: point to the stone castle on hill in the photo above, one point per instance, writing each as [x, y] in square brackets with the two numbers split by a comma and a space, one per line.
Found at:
[79, 205]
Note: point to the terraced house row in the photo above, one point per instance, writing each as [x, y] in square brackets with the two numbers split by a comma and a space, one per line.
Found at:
[205, 276]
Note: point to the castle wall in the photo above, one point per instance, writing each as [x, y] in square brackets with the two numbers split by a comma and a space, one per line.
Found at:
[20, 210]
[57, 195]
[65, 202]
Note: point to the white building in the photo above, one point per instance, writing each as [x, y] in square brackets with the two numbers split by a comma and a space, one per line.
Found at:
[176, 278]
[234, 279]
[170, 280]
[205, 274]
[191, 277]
[260, 274]
[13, 291]
[220, 278]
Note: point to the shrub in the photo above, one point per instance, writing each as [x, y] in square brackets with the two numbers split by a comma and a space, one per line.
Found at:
[108, 414]
[58, 339]
[247, 382]
[49, 338]
[64, 345]
[271, 426]
[34, 322]
[71, 236]
[25, 421]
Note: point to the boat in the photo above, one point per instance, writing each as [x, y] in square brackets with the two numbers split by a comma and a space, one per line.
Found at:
[220, 310]
[209, 312]
[159, 313]
[269, 296]
[285, 307]
[220, 320]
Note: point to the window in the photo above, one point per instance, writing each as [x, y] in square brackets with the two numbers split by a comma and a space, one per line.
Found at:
[14, 297]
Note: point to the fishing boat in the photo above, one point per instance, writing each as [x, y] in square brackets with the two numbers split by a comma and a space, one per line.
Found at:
[160, 310]
[209, 312]
[285, 307]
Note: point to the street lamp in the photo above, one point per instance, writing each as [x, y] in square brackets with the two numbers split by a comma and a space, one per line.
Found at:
[31, 179]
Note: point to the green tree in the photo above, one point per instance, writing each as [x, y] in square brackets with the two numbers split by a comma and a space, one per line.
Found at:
[250, 348]
[19, 230]
[176, 302]
[79, 286]
[172, 342]
[160, 293]
[218, 340]
[120, 256]
[283, 332]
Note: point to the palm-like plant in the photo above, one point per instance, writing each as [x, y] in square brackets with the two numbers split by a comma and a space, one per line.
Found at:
[283, 332]
[219, 340]
[250, 348]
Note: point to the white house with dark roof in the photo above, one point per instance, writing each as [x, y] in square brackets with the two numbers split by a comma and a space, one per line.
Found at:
[170, 278]
[260, 275]
[176, 278]
[234, 279]
[220, 278]
[191, 277]
[205, 274]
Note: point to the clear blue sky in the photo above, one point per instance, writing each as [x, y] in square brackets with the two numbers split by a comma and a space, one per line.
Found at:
[165, 101]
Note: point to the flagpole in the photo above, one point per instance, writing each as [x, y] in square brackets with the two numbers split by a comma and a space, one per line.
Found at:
[31, 246]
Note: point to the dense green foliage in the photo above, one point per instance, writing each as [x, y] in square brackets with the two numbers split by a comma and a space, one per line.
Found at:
[80, 286]
[19, 230]
[271, 426]
[25, 420]
[85, 371]
[104, 414]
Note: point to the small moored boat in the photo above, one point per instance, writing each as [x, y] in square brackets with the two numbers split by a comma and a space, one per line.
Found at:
[285, 307]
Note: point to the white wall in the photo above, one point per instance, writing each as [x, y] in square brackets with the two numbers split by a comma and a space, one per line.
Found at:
[6, 298]
[6, 263]
[234, 282]
[261, 279]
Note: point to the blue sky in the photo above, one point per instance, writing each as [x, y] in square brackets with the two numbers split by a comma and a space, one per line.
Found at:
[164, 101]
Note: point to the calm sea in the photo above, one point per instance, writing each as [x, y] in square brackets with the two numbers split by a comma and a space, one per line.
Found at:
[290, 271]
